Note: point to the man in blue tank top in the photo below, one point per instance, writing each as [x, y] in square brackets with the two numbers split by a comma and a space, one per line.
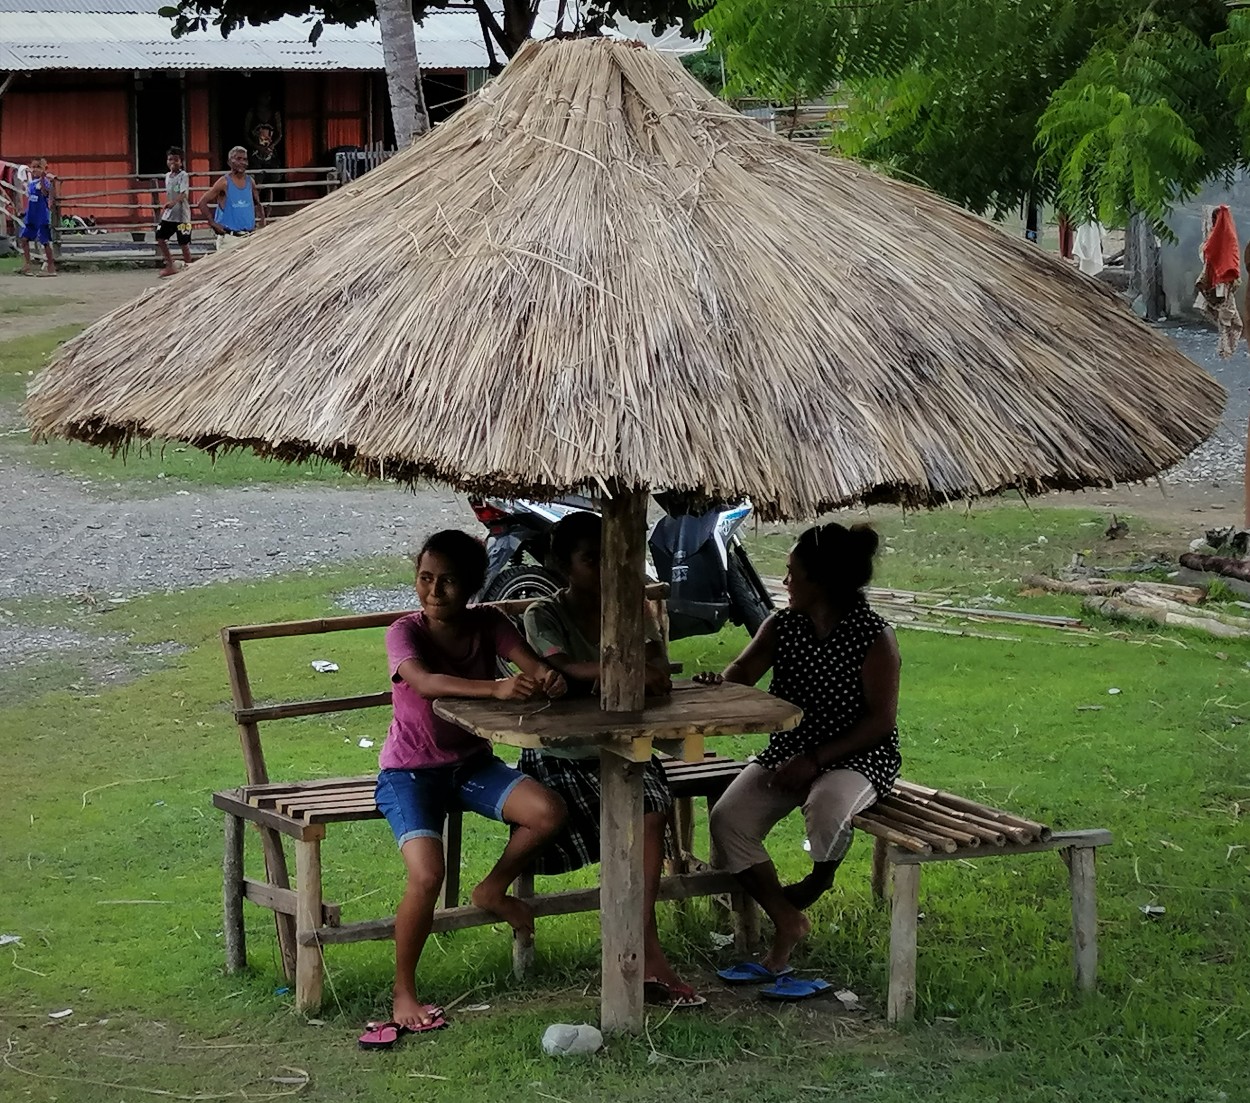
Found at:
[232, 205]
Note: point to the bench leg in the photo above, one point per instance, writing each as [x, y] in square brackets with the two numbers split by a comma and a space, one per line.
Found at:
[746, 917]
[683, 835]
[232, 896]
[880, 867]
[904, 915]
[1082, 881]
[452, 834]
[309, 966]
[522, 948]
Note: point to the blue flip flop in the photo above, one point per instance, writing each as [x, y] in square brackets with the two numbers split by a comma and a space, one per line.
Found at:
[793, 988]
[751, 972]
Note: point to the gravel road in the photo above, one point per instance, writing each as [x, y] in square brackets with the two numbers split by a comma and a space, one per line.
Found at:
[61, 537]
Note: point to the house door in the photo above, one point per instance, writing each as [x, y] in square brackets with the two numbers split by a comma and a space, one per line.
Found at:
[159, 121]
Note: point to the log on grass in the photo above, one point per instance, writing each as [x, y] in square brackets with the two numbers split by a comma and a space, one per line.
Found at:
[1105, 587]
[1150, 601]
[1219, 564]
[1117, 609]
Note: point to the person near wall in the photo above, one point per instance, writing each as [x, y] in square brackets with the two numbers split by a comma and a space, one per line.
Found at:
[37, 218]
[1217, 285]
[175, 220]
[232, 206]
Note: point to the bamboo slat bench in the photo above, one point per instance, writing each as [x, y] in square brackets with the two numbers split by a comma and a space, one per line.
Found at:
[300, 811]
[912, 827]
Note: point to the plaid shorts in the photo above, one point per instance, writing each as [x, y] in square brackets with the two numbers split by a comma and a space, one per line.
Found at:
[577, 781]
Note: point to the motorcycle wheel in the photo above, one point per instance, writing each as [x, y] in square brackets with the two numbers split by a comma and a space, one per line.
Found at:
[517, 583]
[749, 608]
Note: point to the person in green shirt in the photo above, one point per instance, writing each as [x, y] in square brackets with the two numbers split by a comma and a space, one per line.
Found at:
[564, 630]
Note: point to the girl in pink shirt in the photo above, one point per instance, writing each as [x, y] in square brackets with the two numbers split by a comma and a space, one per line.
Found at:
[429, 765]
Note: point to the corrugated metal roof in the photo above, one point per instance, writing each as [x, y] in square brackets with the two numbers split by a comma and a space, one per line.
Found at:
[67, 39]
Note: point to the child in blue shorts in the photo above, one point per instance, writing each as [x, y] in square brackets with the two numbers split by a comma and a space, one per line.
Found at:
[37, 218]
[429, 765]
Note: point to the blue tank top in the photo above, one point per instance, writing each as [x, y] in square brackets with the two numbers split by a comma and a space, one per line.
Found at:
[237, 211]
[38, 210]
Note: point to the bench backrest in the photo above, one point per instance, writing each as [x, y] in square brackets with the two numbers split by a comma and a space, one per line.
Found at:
[249, 717]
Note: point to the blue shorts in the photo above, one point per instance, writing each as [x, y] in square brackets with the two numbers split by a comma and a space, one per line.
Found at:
[416, 802]
[41, 233]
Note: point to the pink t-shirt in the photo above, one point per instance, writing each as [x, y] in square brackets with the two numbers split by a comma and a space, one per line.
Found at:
[418, 738]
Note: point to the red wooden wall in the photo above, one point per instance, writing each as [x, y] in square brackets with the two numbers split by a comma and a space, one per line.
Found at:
[82, 126]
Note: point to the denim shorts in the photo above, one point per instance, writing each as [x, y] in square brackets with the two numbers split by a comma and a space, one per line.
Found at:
[416, 802]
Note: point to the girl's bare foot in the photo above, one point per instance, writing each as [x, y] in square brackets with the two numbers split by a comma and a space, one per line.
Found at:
[165, 272]
[516, 913]
[410, 1012]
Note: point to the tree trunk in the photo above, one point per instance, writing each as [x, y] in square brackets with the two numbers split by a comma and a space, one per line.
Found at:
[403, 71]
[1141, 261]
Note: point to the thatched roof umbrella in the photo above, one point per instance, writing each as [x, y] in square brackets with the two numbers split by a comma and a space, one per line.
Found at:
[597, 275]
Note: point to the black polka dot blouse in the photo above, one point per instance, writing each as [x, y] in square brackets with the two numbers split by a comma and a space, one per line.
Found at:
[824, 677]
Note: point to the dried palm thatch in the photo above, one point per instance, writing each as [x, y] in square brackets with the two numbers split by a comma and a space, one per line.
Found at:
[597, 272]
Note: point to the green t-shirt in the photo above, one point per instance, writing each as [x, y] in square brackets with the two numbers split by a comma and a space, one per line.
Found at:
[551, 629]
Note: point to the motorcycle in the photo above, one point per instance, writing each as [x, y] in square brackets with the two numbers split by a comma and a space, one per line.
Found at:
[702, 558]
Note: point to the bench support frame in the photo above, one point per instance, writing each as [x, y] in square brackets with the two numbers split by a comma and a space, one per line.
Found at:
[1076, 848]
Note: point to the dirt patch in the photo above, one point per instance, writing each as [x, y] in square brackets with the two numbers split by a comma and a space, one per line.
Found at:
[73, 298]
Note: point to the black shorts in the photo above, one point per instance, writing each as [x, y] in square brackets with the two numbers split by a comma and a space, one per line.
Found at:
[166, 230]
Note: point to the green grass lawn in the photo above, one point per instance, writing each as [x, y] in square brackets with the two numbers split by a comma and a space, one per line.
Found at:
[155, 465]
[12, 305]
[109, 871]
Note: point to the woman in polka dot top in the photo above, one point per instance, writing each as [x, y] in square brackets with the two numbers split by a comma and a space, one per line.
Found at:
[835, 658]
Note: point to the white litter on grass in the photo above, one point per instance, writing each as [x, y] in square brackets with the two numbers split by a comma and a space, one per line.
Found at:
[6, 939]
[1113, 691]
[847, 999]
[476, 1007]
[324, 666]
[366, 743]
[61, 1014]
[720, 941]
[807, 845]
[1152, 909]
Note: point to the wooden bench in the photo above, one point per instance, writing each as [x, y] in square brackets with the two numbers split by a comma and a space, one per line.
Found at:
[911, 828]
[916, 825]
[300, 811]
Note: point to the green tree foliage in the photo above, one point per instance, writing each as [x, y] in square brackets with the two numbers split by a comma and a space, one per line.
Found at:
[707, 68]
[1105, 106]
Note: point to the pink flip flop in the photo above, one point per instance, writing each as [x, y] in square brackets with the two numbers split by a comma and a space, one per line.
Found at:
[679, 995]
[385, 1035]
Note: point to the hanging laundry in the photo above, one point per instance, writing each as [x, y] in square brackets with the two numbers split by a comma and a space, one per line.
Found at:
[1089, 247]
[1221, 272]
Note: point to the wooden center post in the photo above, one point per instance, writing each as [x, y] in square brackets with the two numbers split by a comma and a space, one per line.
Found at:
[622, 690]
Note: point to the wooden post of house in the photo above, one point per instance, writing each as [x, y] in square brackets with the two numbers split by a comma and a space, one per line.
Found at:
[622, 658]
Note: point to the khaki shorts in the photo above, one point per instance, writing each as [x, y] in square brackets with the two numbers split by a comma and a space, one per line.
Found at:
[751, 807]
[229, 241]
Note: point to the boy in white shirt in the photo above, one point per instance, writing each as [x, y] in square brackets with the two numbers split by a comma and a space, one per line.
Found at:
[176, 215]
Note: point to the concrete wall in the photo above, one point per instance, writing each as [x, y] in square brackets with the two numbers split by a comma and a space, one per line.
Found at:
[1179, 260]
